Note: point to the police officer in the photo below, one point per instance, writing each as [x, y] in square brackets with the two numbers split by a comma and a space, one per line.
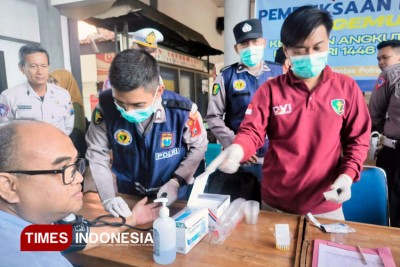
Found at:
[146, 39]
[388, 53]
[36, 99]
[235, 86]
[385, 114]
[157, 137]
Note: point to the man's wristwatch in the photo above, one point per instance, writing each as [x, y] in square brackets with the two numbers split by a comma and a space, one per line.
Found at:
[180, 179]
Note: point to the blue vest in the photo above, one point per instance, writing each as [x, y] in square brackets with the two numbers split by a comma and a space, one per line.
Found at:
[240, 88]
[146, 161]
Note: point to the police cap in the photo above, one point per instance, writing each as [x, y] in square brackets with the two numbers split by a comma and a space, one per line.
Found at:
[248, 29]
[148, 37]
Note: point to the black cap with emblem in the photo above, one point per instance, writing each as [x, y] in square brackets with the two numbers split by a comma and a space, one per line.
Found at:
[248, 29]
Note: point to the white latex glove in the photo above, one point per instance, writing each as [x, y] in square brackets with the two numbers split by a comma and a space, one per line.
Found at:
[229, 159]
[343, 182]
[171, 188]
[373, 145]
[117, 206]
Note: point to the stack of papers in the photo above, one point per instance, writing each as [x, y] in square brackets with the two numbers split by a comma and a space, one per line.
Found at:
[329, 254]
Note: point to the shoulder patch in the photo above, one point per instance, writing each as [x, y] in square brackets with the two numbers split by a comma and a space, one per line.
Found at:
[97, 116]
[4, 109]
[71, 109]
[216, 88]
[194, 124]
[380, 82]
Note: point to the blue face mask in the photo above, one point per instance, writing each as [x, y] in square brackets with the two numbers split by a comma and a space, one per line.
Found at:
[252, 55]
[309, 66]
[137, 115]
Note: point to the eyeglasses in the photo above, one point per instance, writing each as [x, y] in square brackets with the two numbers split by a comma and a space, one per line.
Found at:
[68, 172]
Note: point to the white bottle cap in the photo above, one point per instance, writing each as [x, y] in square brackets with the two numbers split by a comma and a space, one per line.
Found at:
[164, 211]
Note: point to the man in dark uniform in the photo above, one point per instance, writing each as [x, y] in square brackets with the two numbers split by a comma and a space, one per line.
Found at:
[385, 114]
[157, 137]
[234, 88]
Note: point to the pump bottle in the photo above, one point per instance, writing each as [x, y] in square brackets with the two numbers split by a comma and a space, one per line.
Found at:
[164, 235]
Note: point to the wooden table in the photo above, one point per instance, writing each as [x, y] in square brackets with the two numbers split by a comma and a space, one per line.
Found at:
[249, 245]
[366, 235]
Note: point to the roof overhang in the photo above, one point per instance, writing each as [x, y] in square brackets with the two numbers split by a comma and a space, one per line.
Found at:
[137, 15]
[79, 9]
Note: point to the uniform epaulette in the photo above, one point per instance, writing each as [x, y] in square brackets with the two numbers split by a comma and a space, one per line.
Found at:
[227, 67]
[174, 103]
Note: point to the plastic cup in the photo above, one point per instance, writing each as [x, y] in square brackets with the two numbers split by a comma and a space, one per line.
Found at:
[339, 238]
[251, 210]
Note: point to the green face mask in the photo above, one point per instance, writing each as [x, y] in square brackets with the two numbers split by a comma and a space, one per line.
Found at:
[252, 55]
[309, 66]
[137, 115]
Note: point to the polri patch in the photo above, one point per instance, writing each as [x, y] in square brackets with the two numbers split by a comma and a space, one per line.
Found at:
[166, 140]
[338, 106]
[123, 137]
[4, 109]
[239, 85]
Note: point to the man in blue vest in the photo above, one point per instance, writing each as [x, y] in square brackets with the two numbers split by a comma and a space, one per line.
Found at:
[157, 137]
[234, 88]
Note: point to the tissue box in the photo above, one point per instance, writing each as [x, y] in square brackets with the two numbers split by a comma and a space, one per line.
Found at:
[216, 205]
[191, 227]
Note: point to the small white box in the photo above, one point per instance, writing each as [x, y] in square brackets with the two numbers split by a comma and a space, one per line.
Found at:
[191, 226]
[216, 205]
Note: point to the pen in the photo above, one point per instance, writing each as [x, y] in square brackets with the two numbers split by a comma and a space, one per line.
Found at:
[364, 261]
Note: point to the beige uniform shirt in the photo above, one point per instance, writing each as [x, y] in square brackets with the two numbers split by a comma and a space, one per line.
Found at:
[22, 102]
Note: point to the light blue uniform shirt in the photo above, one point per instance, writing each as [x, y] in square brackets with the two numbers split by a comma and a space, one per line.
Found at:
[10, 253]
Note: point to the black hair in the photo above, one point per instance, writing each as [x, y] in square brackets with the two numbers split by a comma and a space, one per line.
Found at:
[280, 56]
[31, 49]
[302, 22]
[132, 69]
[392, 43]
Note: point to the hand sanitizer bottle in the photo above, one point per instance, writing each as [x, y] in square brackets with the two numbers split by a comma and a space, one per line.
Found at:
[164, 236]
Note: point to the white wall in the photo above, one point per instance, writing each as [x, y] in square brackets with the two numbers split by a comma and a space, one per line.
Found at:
[18, 19]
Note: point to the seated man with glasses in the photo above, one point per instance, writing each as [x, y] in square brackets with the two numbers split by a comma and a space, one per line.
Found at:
[40, 183]
[157, 137]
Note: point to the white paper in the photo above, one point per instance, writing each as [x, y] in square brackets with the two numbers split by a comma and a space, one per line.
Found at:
[329, 256]
[198, 187]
